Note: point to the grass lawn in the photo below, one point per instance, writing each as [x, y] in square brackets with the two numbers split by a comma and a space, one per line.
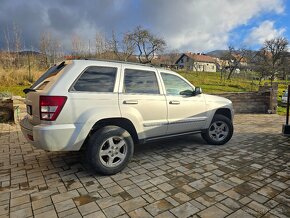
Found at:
[212, 84]
[13, 90]
[281, 110]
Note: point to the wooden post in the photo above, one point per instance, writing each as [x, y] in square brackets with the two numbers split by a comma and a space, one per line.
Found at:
[287, 113]
[286, 127]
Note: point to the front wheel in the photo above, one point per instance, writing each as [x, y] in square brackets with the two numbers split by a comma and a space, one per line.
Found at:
[110, 149]
[220, 130]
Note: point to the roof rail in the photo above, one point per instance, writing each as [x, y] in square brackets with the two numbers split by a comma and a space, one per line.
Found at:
[116, 61]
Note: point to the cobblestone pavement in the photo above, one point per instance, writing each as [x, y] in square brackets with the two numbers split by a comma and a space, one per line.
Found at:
[247, 177]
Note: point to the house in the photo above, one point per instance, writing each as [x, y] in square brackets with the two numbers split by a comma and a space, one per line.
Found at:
[196, 62]
[166, 60]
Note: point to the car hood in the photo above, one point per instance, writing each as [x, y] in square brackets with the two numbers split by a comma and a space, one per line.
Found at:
[217, 100]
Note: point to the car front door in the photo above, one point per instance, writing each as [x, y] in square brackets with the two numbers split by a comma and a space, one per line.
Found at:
[185, 113]
[142, 102]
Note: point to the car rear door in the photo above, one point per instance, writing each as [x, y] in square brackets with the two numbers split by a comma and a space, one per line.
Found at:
[141, 100]
[185, 113]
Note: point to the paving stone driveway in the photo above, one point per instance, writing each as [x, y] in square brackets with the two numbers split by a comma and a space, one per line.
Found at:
[247, 177]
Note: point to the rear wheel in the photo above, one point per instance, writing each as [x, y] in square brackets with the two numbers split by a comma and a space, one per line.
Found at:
[110, 149]
[220, 130]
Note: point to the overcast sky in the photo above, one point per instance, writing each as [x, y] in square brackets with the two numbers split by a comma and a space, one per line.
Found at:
[186, 25]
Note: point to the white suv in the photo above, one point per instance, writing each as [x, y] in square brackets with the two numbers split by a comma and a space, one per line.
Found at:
[106, 107]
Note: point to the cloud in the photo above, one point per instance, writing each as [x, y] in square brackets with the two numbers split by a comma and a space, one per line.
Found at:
[265, 31]
[205, 24]
[187, 25]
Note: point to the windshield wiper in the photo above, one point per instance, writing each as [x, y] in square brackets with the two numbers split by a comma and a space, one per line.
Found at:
[28, 90]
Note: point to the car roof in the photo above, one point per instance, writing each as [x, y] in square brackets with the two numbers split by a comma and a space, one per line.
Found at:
[110, 61]
[105, 61]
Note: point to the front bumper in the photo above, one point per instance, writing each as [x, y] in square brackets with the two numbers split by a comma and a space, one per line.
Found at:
[60, 137]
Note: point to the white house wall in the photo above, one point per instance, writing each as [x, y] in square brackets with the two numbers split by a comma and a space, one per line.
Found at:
[202, 66]
[188, 63]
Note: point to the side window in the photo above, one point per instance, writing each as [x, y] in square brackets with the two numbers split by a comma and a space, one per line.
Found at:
[174, 84]
[96, 79]
[140, 81]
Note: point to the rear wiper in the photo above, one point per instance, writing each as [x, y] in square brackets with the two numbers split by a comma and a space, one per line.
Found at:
[28, 90]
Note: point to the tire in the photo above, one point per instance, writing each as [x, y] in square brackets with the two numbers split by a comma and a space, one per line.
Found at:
[109, 150]
[220, 130]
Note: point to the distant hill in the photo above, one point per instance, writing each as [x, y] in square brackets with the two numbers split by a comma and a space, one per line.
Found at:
[223, 53]
[217, 53]
[29, 53]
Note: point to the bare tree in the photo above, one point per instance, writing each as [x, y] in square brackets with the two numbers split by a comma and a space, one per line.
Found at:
[257, 65]
[13, 41]
[7, 37]
[173, 56]
[234, 57]
[50, 48]
[77, 46]
[17, 44]
[271, 56]
[123, 49]
[55, 50]
[147, 44]
[285, 69]
[45, 41]
[6, 59]
[101, 45]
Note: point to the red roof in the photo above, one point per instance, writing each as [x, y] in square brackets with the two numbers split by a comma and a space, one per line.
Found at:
[200, 57]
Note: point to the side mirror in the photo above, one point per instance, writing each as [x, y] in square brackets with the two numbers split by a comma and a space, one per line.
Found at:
[197, 91]
[187, 93]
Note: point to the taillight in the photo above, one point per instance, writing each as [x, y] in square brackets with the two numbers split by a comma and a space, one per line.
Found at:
[51, 106]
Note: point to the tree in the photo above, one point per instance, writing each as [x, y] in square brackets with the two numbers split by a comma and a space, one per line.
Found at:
[147, 44]
[173, 56]
[6, 59]
[44, 48]
[78, 47]
[123, 49]
[50, 48]
[285, 69]
[272, 57]
[17, 44]
[234, 58]
[13, 41]
[257, 65]
[102, 45]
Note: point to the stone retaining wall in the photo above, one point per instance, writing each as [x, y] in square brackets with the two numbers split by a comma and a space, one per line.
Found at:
[11, 108]
[262, 101]
[6, 110]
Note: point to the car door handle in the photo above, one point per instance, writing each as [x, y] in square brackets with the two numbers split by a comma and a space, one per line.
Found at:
[174, 102]
[130, 102]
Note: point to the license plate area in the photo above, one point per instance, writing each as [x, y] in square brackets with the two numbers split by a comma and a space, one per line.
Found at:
[29, 109]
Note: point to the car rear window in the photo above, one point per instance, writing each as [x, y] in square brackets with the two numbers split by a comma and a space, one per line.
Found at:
[96, 79]
[50, 73]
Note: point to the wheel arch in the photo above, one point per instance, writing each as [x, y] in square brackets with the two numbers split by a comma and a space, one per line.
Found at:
[121, 122]
[225, 112]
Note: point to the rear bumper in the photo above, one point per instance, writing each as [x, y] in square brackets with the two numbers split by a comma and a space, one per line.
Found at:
[61, 137]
